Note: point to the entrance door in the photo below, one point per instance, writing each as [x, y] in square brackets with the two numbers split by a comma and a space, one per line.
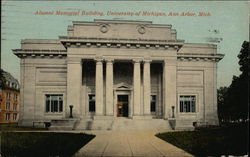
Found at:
[122, 105]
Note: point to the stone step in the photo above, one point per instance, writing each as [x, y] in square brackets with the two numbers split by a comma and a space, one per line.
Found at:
[63, 124]
[186, 124]
[123, 124]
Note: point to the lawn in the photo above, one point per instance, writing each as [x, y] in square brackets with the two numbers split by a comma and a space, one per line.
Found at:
[42, 144]
[15, 127]
[211, 141]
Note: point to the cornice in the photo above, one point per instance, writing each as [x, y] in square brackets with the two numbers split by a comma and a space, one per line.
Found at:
[23, 53]
[120, 43]
[199, 57]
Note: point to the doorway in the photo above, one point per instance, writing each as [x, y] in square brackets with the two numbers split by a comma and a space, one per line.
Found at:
[122, 105]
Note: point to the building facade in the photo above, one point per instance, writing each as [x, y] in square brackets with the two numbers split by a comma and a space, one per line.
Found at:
[9, 98]
[109, 70]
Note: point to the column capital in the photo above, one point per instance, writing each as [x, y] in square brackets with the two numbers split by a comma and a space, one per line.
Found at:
[147, 61]
[109, 60]
[137, 60]
[98, 59]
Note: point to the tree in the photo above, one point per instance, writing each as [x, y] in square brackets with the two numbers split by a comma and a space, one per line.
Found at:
[233, 103]
[222, 113]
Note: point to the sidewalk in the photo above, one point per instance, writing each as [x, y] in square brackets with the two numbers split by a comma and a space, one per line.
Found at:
[128, 144]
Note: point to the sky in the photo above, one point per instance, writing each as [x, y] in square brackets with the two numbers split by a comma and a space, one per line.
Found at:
[226, 25]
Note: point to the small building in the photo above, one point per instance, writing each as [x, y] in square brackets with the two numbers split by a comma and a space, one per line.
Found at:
[9, 98]
[117, 73]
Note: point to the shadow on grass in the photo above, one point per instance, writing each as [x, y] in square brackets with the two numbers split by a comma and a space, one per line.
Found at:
[42, 144]
[211, 141]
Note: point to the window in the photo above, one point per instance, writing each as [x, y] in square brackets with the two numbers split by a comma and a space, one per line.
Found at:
[153, 103]
[15, 97]
[7, 117]
[54, 103]
[187, 103]
[8, 95]
[14, 107]
[7, 105]
[91, 103]
[14, 116]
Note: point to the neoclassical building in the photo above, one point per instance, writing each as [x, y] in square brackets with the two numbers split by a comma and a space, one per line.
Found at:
[117, 74]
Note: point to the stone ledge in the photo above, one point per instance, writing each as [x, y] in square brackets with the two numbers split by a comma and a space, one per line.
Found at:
[96, 117]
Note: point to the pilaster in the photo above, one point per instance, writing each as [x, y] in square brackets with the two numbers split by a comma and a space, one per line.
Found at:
[169, 72]
[74, 84]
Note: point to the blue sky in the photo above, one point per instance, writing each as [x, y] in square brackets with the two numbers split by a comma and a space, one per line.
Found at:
[229, 19]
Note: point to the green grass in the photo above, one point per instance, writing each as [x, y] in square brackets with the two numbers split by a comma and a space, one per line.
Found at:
[15, 127]
[42, 144]
[211, 141]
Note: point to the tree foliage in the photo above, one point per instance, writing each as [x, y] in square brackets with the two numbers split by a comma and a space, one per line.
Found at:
[233, 102]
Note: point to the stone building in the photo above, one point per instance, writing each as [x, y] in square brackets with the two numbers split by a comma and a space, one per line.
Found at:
[9, 98]
[118, 74]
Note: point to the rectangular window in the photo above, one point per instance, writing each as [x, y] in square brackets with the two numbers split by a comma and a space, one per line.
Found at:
[153, 103]
[54, 103]
[91, 103]
[14, 107]
[7, 105]
[8, 95]
[15, 97]
[14, 116]
[7, 116]
[187, 103]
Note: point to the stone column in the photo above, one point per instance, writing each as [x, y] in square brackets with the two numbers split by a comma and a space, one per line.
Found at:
[99, 88]
[74, 84]
[146, 87]
[169, 72]
[109, 87]
[137, 87]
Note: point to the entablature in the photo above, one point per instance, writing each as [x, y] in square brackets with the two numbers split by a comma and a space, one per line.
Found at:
[68, 41]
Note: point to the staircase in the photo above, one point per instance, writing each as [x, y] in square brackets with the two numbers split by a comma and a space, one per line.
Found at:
[123, 124]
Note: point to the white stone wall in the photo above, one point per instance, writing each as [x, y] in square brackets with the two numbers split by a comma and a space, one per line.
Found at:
[40, 77]
[127, 30]
[198, 77]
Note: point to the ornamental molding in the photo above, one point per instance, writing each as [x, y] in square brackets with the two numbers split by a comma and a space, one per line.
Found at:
[104, 28]
[141, 29]
[120, 43]
[199, 57]
[32, 53]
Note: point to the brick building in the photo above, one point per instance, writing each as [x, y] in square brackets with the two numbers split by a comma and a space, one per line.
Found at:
[9, 98]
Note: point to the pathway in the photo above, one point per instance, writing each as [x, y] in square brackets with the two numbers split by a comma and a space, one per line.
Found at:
[129, 144]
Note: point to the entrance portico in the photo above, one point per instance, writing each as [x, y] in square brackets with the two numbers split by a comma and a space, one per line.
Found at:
[132, 78]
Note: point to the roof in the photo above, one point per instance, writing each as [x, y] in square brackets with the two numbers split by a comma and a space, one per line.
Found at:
[7, 81]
